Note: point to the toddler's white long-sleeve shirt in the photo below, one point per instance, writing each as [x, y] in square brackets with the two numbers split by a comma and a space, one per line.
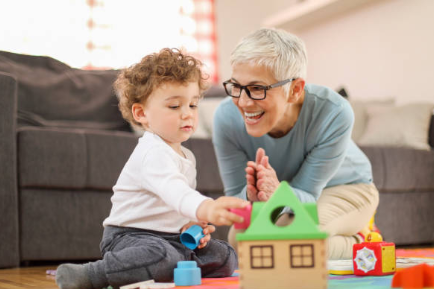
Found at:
[156, 188]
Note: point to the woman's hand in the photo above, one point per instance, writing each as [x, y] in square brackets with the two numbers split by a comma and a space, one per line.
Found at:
[266, 177]
[207, 230]
[251, 190]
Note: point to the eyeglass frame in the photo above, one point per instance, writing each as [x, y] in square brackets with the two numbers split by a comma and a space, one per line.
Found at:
[264, 87]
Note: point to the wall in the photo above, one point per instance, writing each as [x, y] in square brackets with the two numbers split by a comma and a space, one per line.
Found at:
[235, 19]
[384, 49]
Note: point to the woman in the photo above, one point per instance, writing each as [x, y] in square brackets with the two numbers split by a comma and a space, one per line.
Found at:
[276, 127]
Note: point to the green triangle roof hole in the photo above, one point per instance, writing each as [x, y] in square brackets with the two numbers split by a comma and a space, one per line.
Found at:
[304, 225]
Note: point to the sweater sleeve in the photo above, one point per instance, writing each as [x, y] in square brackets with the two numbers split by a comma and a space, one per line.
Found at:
[326, 156]
[161, 175]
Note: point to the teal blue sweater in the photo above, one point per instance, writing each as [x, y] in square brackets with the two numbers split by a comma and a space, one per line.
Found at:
[317, 153]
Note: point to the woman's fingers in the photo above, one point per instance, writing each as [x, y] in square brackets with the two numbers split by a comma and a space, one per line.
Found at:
[251, 180]
[263, 196]
[265, 162]
[260, 153]
[252, 192]
[251, 164]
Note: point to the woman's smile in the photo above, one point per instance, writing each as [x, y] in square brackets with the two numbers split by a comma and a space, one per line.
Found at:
[253, 117]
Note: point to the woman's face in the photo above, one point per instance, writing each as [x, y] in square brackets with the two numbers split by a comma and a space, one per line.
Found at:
[261, 116]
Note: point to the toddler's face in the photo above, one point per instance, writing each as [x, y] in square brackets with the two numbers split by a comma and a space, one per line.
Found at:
[171, 112]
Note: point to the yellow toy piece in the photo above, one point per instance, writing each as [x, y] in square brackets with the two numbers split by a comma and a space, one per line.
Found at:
[374, 237]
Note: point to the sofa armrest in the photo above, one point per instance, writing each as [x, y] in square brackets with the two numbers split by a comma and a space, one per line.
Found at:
[9, 249]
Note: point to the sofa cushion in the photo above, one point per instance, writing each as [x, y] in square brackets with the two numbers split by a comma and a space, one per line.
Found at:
[71, 158]
[26, 118]
[405, 218]
[360, 109]
[62, 224]
[400, 126]
[51, 90]
[401, 169]
[51, 158]
[208, 176]
[107, 155]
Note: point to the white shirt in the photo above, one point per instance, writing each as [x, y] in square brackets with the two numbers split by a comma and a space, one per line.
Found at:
[156, 188]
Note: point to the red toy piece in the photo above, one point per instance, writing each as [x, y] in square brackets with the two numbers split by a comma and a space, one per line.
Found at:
[246, 214]
[419, 276]
[374, 257]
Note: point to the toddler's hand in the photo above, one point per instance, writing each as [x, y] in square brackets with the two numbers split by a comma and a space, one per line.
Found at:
[217, 211]
[207, 230]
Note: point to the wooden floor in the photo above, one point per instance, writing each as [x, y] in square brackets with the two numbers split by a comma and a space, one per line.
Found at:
[27, 277]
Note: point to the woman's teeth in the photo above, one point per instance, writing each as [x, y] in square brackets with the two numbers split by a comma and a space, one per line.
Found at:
[253, 115]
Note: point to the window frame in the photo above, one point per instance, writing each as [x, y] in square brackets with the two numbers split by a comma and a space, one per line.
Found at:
[302, 256]
[261, 256]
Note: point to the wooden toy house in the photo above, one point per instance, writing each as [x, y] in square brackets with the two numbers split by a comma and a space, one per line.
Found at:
[283, 257]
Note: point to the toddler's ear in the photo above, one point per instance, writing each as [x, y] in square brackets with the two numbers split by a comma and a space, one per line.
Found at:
[139, 114]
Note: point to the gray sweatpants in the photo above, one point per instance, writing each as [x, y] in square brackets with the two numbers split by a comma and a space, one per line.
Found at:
[133, 255]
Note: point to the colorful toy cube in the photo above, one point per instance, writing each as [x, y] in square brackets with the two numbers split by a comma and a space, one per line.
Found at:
[374, 258]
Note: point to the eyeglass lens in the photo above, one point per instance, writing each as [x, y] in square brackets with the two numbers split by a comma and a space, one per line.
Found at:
[254, 91]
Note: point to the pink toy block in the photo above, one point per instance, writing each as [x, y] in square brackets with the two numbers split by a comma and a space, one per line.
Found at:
[246, 213]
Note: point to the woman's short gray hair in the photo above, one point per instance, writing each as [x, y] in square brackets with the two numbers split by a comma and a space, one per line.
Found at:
[282, 53]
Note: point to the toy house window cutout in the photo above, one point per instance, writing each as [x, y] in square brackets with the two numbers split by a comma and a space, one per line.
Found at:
[301, 256]
[261, 257]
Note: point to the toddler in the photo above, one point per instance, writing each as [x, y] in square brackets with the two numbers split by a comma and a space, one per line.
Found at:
[154, 198]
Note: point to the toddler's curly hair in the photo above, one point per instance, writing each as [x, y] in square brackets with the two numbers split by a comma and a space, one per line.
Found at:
[136, 83]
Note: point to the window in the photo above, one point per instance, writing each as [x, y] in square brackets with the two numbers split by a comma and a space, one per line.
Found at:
[261, 257]
[301, 256]
[95, 34]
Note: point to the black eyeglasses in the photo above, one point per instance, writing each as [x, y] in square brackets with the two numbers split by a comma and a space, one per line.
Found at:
[254, 91]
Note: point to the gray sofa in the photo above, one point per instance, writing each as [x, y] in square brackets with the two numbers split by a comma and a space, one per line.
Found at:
[63, 144]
